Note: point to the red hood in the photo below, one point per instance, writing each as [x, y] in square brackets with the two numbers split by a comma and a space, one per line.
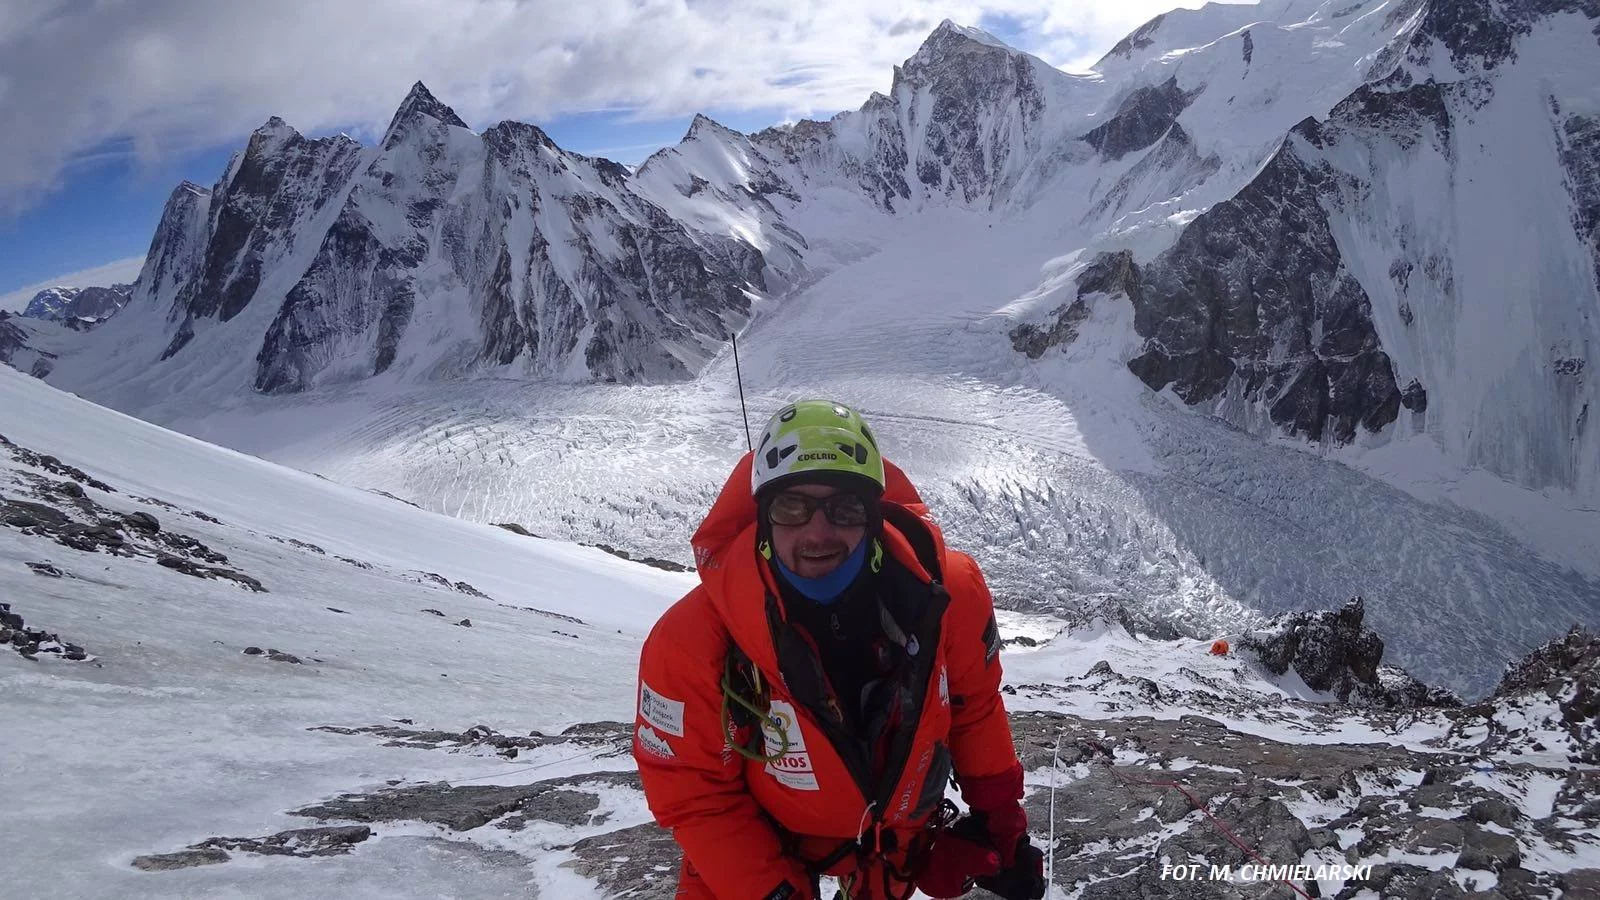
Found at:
[735, 510]
[736, 579]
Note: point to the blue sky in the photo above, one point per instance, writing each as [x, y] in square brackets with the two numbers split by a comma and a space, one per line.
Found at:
[120, 103]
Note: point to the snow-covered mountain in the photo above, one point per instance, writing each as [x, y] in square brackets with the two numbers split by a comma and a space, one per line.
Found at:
[80, 307]
[437, 252]
[1351, 231]
[1425, 258]
[223, 677]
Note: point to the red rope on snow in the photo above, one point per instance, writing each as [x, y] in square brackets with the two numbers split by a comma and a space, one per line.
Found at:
[1221, 826]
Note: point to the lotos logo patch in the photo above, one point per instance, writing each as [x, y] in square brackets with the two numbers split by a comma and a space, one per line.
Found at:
[781, 731]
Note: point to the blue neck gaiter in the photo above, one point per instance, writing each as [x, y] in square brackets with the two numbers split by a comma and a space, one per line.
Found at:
[827, 589]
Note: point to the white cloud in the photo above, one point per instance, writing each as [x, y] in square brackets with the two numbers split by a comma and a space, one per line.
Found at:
[171, 75]
[122, 271]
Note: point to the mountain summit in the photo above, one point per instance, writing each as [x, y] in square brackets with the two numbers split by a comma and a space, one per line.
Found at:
[419, 104]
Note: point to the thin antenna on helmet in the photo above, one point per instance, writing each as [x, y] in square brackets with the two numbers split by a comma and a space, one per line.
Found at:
[739, 377]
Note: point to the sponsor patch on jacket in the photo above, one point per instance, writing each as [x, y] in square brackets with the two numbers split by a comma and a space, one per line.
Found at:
[944, 686]
[654, 744]
[991, 640]
[665, 713]
[781, 731]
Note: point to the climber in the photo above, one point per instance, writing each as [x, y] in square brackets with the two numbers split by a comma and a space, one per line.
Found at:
[801, 710]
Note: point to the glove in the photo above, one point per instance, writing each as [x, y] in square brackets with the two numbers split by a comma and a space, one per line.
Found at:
[995, 803]
[1023, 879]
[958, 855]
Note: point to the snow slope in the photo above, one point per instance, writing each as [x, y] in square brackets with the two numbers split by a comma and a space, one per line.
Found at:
[172, 731]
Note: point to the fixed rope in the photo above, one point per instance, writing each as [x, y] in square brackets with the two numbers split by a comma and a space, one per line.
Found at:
[1195, 802]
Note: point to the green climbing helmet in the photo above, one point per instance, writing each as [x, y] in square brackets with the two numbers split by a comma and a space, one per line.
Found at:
[812, 437]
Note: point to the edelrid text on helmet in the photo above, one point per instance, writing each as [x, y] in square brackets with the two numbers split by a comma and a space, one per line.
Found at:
[812, 437]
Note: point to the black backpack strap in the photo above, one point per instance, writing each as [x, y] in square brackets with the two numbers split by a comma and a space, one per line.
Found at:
[917, 534]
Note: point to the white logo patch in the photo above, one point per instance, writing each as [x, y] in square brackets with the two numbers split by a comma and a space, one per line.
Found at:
[793, 769]
[664, 713]
[944, 686]
[654, 744]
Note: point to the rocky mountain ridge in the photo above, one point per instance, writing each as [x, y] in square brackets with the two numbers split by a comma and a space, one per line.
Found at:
[78, 307]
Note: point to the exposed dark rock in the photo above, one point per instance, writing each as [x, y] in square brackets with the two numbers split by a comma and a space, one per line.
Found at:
[482, 737]
[467, 806]
[280, 656]
[300, 842]
[253, 651]
[465, 623]
[199, 570]
[514, 528]
[1111, 273]
[544, 612]
[434, 612]
[1254, 300]
[1579, 882]
[1566, 673]
[142, 521]
[1034, 340]
[30, 642]
[1496, 810]
[1489, 850]
[45, 569]
[77, 521]
[23, 514]
[54, 466]
[665, 565]
[1329, 651]
[640, 863]
[184, 859]
[1142, 118]
[1414, 397]
[1170, 169]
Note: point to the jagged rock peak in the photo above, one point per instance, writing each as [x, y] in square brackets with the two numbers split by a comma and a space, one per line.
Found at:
[271, 136]
[274, 126]
[509, 134]
[950, 39]
[1571, 659]
[949, 29]
[704, 124]
[420, 102]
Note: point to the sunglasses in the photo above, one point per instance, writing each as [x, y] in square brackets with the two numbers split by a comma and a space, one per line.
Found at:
[843, 510]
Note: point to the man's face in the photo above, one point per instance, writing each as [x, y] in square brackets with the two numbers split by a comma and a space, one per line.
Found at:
[818, 547]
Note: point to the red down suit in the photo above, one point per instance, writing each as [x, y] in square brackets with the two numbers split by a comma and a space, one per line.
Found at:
[753, 829]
